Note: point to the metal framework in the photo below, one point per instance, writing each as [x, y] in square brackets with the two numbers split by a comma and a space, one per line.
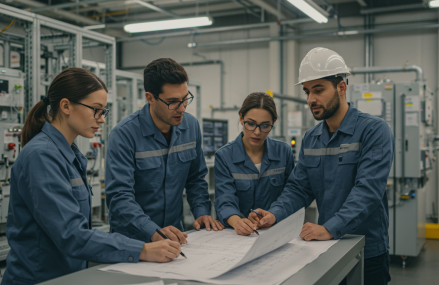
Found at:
[133, 80]
[33, 24]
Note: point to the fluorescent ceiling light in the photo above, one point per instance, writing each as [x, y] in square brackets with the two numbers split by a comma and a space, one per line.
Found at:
[433, 4]
[168, 25]
[347, 33]
[94, 27]
[311, 9]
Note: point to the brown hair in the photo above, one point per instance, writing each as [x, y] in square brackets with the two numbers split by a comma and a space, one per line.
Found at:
[73, 84]
[160, 72]
[335, 81]
[259, 100]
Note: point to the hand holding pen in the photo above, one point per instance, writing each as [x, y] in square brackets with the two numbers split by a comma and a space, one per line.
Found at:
[247, 220]
[165, 237]
[262, 218]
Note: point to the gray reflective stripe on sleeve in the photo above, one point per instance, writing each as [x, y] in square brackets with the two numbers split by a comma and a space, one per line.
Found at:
[77, 182]
[332, 150]
[165, 151]
[152, 153]
[241, 176]
[275, 171]
[182, 147]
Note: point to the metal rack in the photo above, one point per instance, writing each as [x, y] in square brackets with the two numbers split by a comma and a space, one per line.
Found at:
[34, 43]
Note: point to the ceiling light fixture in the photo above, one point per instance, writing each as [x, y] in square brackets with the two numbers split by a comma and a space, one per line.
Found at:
[311, 9]
[168, 25]
[433, 4]
[94, 27]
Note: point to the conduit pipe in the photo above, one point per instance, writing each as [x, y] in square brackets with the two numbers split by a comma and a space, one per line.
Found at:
[289, 98]
[316, 35]
[382, 69]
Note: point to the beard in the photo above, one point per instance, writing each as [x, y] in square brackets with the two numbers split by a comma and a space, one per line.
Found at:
[329, 110]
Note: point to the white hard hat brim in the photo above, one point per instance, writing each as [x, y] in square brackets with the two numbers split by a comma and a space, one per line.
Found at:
[311, 78]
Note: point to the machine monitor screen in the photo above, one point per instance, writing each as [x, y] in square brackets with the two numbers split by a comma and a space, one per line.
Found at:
[4, 86]
[215, 135]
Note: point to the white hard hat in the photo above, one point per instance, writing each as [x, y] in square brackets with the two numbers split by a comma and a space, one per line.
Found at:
[320, 63]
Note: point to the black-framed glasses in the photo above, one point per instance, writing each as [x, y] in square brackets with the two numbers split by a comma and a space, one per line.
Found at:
[176, 104]
[265, 128]
[98, 112]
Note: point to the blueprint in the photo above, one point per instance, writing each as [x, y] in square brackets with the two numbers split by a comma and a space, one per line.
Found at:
[223, 257]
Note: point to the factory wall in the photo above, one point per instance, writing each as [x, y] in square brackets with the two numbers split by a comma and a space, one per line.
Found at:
[249, 67]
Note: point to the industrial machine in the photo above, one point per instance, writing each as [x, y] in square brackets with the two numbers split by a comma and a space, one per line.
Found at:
[130, 93]
[409, 111]
[11, 105]
[215, 135]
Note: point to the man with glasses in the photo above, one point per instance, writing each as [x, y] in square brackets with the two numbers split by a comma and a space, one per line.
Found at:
[153, 155]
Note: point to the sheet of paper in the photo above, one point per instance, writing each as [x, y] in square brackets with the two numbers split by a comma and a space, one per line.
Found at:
[276, 236]
[227, 258]
[272, 268]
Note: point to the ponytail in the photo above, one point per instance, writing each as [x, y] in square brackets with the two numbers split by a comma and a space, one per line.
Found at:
[34, 122]
[74, 84]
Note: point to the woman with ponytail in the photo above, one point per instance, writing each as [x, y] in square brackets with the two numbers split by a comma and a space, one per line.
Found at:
[49, 220]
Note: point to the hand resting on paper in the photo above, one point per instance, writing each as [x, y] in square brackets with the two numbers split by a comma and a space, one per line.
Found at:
[242, 226]
[312, 231]
[209, 222]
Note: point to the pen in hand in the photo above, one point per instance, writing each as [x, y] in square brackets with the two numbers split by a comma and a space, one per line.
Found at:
[256, 212]
[165, 237]
[242, 217]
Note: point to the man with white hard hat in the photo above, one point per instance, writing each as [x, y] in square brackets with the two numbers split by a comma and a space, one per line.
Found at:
[344, 163]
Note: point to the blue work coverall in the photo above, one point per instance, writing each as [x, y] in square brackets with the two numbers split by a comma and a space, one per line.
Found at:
[145, 177]
[49, 219]
[239, 186]
[347, 175]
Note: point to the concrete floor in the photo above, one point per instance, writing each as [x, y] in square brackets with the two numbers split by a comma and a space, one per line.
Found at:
[423, 269]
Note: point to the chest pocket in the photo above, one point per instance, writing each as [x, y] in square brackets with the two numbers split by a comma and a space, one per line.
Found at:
[277, 180]
[242, 185]
[185, 157]
[148, 171]
[313, 169]
[277, 183]
[82, 195]
[347, 169]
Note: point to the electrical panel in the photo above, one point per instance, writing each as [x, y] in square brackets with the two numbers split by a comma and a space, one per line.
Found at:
[409, 111]
[11, 88]
[11, 105]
